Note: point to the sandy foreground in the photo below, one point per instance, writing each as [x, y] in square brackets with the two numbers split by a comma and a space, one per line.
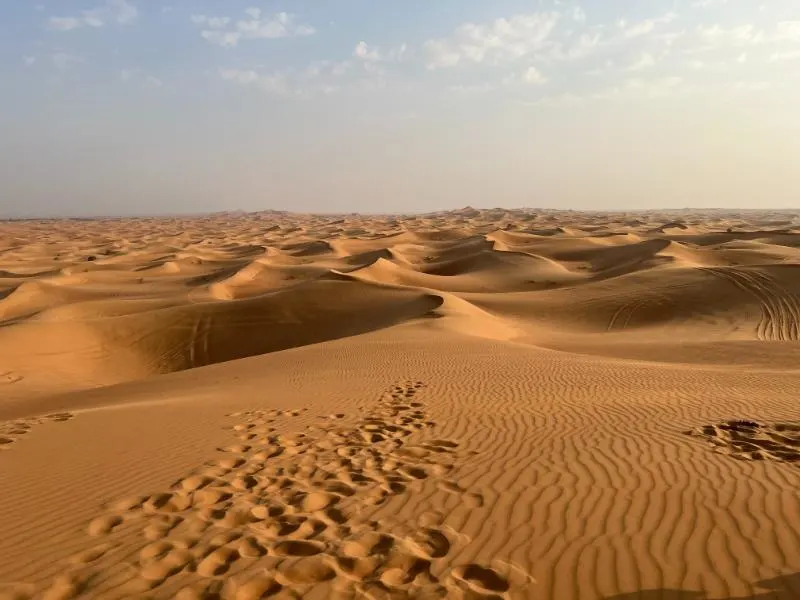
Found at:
[472, 404]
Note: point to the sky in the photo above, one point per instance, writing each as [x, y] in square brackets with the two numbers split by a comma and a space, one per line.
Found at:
[134, 107]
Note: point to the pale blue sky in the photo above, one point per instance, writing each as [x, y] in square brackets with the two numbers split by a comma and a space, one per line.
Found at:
[142, 106]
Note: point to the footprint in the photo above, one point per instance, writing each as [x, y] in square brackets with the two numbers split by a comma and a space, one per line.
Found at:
[155, 550]
[202, 590]
[428, 543]
[91, 555]
[9, 377]
[368, 544]
[358, 569]
[451, 487]
[59, 417]
[104, 525]
[481, 579]
[473, 500]
[64, 587]
[19, 591]
[402, 569]
[249, 547]
[260, 586]
[157, 571]
[316, 501]
[195, 482]
[297, 548]
[311, 570]
[236, 449]
[217, 562]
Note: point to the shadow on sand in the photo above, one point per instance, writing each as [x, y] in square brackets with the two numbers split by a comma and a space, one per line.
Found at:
[784, 587]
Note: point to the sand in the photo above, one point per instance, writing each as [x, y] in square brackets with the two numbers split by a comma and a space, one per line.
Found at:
[469, 404]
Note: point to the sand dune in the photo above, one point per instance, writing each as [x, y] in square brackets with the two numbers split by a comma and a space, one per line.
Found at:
[468, 404]
[108, 341]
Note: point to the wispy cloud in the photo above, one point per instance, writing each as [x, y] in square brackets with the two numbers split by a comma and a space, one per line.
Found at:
[631, 30]
[64, 60]
[708, 3]
[365, 52]
[785, 55]
[645, 61]
[321, 79]
[374, 59]
[135, 75]
[224, 32]
[534, 76]
[113, 11]
[500, 41]
[638, 88]
[210, 22]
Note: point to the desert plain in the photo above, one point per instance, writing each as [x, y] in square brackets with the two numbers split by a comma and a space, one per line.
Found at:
[480, 403]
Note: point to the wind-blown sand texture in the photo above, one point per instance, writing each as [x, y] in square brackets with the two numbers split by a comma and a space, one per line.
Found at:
[472, 404]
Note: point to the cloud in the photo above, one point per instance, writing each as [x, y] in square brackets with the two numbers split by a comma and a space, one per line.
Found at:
[708, 3]
[273, 83]
[64, 60]
[65, 23]
[474, 88]
[751, 86]
[113, 11]
[558, 100]
[137, 76]
[586, 45]
[364, 52]
[210, 22]
[534, 76]
[502, 40]
[223, 32]
[28, 60]
[738, 35]
[531, 76]
[638, 88]
[785, 55]
[783, 37]
[787, 31]
[318, 79]
[646, 26]
[373, 54]
[645, 61]
[329, 68]
[364, 70]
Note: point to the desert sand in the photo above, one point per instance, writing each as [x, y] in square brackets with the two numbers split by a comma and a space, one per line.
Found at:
[467, 404]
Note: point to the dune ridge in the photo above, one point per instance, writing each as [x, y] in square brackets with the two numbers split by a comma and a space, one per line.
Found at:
[480, 403]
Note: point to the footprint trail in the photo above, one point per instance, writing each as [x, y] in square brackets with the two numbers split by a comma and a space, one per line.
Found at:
[283, 514]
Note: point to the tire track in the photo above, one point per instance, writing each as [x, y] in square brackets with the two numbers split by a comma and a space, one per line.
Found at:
[780, 309]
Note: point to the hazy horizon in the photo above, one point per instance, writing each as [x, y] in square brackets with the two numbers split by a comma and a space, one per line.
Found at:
[141, 108]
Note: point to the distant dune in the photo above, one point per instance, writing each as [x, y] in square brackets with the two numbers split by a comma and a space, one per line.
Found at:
[481, 403]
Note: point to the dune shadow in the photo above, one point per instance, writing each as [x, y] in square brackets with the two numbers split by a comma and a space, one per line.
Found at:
[783, 587]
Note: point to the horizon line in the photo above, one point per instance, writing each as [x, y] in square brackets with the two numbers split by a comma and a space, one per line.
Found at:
[96, 217]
